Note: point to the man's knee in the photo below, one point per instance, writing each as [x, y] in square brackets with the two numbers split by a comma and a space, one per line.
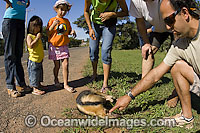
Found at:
[177, 66]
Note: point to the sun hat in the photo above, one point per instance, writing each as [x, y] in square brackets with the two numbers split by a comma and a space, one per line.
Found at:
[59, 2]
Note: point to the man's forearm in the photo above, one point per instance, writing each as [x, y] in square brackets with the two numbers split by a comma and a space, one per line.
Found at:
[142, 29]
[150, 79]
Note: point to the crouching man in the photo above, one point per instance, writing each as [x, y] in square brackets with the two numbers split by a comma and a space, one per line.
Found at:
[183, 58]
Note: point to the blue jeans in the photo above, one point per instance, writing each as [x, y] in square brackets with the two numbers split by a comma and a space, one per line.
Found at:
[35, 72]
[13, 31]
[108, 34]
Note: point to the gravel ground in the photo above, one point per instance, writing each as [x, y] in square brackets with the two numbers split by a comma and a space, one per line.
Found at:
[14, 111]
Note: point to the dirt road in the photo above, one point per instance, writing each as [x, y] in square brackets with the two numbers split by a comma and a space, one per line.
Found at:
[13, 111]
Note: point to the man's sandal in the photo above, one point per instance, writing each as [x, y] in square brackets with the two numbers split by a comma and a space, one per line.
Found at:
[14, 93]
[70, 89]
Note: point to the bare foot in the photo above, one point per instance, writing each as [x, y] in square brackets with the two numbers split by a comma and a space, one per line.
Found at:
[172, 99]
[172, 102]
[70, 89]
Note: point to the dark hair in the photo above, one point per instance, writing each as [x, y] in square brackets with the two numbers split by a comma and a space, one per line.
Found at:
[189, 4]
[34, 21]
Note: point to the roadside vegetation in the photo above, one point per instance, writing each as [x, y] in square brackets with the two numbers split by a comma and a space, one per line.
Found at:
[125, 73]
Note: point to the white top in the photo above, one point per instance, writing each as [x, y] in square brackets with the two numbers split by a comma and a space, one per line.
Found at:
[150, 11]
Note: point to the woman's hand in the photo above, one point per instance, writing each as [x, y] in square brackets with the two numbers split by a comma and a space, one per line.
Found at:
[92, 34]
[106, 15]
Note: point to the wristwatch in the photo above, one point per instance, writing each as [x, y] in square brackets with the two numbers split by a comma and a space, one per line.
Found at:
[130, 95]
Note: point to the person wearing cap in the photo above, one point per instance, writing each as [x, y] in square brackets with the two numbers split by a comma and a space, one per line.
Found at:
[58, 29]
[182, 17]
[102, 23]
[13, 30]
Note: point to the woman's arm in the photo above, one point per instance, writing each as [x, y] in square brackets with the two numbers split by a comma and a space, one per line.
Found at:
[86, 13]
[87, 18]
[124, 12]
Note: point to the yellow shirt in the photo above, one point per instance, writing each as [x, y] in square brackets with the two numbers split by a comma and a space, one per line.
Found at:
[59, 35]
[36, 54]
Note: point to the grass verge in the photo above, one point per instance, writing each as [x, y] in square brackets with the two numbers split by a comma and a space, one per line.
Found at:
[125, 73]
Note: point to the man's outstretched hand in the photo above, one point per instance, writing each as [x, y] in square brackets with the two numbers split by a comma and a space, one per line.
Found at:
[121, 103]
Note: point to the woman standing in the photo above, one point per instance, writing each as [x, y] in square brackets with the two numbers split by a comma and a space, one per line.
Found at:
[102, 22]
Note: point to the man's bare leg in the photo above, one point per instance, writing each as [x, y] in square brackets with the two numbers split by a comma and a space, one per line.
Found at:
[147, 64]
[183, 76]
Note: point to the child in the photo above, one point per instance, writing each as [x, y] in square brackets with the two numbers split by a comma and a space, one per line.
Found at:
[13, 30]
[58, 29]
[36, 54]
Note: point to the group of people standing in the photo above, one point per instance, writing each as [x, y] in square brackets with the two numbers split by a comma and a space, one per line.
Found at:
[13, 29]
[166, 17]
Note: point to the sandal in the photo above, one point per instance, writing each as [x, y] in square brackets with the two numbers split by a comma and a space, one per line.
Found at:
[38, 92]
[14, 93]
[70, 89]
[105, 89]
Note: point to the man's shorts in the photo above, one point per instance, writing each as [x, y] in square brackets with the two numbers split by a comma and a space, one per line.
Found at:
[195, 87]
[157, 39]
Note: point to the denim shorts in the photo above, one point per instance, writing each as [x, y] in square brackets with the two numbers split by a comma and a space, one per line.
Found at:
[107, 34]
[35, 71]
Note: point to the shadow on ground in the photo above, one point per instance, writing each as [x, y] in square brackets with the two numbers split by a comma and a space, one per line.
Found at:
[134, 76]
[75, 84]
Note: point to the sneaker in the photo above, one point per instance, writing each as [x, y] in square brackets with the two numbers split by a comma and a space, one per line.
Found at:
[181, 121]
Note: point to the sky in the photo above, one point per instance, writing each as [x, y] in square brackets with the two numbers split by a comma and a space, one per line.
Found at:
[44, 9]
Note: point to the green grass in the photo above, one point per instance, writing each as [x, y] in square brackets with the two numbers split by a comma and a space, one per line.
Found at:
[125, 73]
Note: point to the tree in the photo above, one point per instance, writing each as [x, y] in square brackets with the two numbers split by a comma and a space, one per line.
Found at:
[126, 34]
[81, 23]
[44, 37]
[74, 42]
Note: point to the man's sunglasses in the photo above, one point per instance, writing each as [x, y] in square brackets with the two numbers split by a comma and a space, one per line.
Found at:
[170, 20]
